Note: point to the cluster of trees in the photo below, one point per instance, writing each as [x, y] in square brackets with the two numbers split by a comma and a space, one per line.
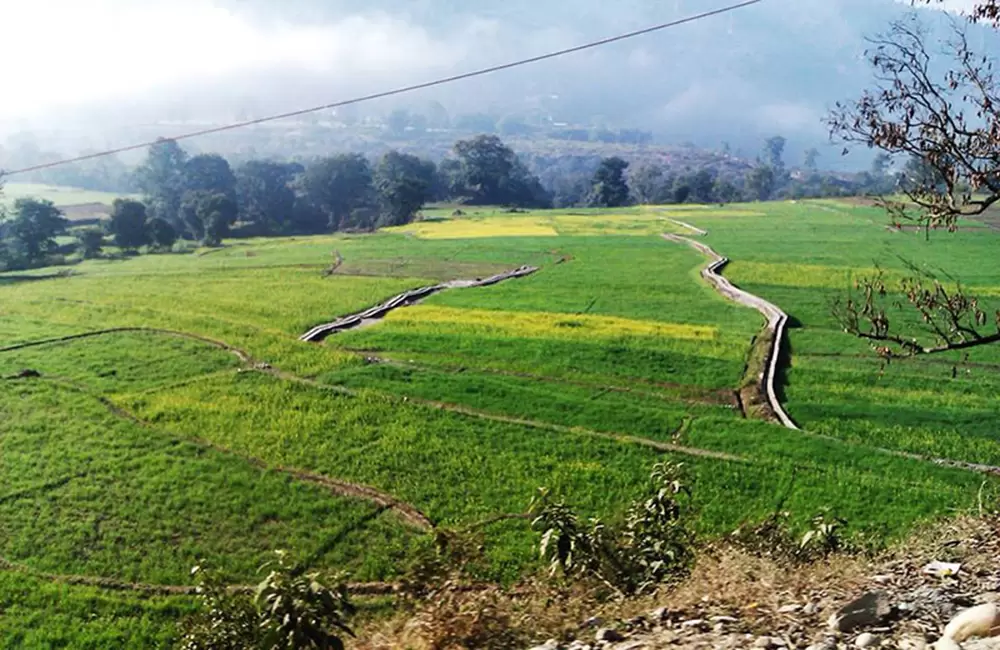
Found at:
[615, 185]
[201, 197]
[28, 236]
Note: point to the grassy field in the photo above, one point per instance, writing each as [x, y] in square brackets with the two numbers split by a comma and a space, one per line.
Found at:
[135, 453]
[62, 197]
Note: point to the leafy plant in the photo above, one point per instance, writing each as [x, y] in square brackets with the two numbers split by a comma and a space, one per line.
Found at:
[652, 545]
[289, 610]
[824, 537]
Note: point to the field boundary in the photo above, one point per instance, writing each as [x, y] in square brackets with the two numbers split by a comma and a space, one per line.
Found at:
[408, 513]
[241, 354]
[777, 320]
[404, 299]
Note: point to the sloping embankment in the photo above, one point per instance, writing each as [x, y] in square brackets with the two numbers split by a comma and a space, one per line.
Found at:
[410, 297]
[777, 320]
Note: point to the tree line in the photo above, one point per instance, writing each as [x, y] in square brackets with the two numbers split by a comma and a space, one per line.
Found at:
[616, 184]
[203, 198]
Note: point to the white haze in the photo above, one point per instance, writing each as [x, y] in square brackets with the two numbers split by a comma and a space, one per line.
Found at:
[97, 67]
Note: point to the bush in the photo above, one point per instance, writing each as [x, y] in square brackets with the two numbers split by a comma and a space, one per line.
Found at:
[653, 545]
[289, 610]
[90, 242]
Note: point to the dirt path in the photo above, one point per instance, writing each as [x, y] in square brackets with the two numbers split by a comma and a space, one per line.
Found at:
[777, 320]
[410, 297]
[406, 512]
[242, 355]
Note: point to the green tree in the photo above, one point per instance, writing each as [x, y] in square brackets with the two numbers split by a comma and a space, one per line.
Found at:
[486, 163]
[209, 173]
[725, 191]
[609, 189]
[90, 242]
[264, 192]
[649, 185]
[403, 183]
[490, 173]
[210, 215]
[774, 150]
[128, 224]
[161, 234]
[34, 227]
[760, 182]
[702, 182]
[162, 179]
[341, 188]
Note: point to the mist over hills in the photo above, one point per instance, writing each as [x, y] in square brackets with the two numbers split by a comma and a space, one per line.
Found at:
[772, 68]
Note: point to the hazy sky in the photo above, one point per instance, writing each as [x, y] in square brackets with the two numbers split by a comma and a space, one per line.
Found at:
[62, 53]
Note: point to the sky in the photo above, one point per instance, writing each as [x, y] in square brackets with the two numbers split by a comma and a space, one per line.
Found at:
[69, 52]
[774, 67]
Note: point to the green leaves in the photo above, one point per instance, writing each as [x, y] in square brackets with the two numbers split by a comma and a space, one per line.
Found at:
[653, 544]
[289, 610]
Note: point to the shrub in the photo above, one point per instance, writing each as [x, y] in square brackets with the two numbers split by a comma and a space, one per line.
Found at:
[653, 545]
[288, 610]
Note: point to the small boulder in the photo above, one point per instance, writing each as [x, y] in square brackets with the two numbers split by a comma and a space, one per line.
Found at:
[764, 642]
[867, 611]
[866, 640]
[789, 609]
[609, 635]
[981, 621]
[659, 615]
[694, 622]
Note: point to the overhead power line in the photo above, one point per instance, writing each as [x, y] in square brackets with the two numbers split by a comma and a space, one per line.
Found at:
[396, 91]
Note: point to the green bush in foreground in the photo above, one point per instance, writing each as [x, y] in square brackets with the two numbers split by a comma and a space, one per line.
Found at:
[653, 545]
[289, 610]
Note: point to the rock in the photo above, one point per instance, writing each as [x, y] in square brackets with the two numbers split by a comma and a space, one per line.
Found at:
[912, 643]
[638, 644]
[551, 644]
[609, 635]
[981, 621]
[811, 609]
[982, 644]
[867, 611]
[866, 640]
[659, 614]
[694, 622]
[881, 579]
[593, 621]
[763, 642]
[789, 609]
[823, 645]
[946, 644]
[724, 619]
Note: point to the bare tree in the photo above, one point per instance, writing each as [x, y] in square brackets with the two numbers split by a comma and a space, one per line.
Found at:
[948, 123]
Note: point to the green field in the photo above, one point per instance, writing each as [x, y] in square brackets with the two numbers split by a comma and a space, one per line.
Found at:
[59, 195]
[212, 431]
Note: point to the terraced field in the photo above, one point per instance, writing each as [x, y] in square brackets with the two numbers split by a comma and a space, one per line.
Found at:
[173, 413]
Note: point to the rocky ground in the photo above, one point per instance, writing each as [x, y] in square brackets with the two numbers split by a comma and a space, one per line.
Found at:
[904, 599]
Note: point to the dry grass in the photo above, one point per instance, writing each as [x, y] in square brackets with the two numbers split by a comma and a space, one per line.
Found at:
[726, 581]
